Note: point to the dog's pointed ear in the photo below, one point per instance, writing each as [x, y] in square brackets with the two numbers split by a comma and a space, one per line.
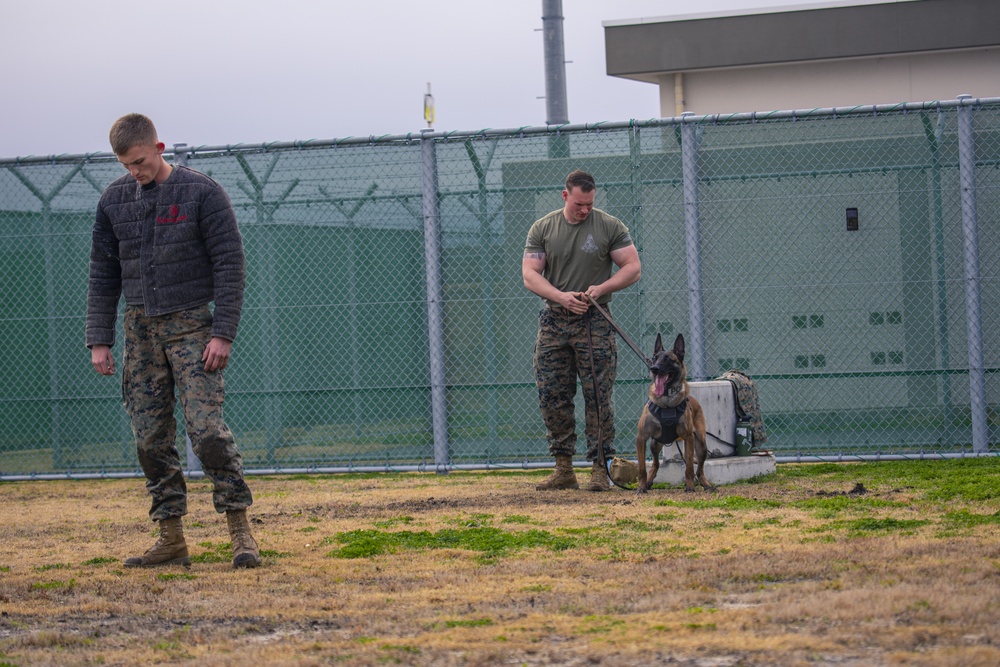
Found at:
[679, 347]
[659, 344]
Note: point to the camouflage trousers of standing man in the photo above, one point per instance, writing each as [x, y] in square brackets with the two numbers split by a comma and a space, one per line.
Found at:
[562, 353]
[163, 353]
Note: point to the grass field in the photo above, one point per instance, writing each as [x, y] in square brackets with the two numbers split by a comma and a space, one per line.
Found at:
[866, 564]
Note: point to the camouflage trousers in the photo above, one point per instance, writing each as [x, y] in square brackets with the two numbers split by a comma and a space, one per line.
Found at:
[163, 353]
[562, 354]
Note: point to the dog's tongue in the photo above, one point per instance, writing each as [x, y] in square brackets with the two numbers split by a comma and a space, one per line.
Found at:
[659, 384]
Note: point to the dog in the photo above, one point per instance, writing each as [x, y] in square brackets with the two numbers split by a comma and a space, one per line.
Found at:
[669, 396]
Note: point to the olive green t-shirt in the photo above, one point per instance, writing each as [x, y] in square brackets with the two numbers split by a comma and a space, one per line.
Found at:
[577, 256]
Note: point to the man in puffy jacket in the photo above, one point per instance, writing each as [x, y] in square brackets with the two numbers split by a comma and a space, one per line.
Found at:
[166, 238]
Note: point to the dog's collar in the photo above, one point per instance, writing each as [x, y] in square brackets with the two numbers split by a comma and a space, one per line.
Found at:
[672, 397]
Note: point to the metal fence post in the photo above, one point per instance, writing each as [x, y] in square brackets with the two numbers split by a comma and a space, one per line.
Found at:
[692, 236]
[435, 305]
[970, 245]
[181, 155]
[935, 133]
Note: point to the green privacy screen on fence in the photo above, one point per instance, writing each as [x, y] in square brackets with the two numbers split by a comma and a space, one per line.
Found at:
[846, 259]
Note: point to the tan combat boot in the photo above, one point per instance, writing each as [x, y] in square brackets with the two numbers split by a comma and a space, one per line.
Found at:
[170, 549]
[245, 551]
[599, 478]
[562, 477]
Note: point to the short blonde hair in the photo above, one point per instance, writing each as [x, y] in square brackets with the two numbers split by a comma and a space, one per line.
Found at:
[131, 130]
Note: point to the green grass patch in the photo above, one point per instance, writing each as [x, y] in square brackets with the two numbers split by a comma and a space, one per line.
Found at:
[52, 566]
[101, 560]
[214, 553]
[827, 507]
[971, 479]
[735, 503]
[52, 585]
[967, 519]
[600, 624]
[537, 588]
[470, 623]
[402, 648]
[866, 526]
[489, 541]
[175, 576]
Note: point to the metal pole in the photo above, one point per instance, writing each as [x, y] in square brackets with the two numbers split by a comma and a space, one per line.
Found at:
[556, 112]
[970, 242]
[934, 137]
[435, 309]
[692, 236]
[181, 155]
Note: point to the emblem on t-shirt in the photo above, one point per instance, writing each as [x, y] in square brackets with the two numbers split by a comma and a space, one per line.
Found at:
[589, 246]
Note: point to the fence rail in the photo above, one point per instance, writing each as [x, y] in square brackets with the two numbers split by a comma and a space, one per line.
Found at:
[845, 258]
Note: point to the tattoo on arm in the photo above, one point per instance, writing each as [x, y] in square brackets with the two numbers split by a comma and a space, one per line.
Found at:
[534, 255]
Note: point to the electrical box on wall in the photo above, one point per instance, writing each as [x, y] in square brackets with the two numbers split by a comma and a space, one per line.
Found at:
[852, 219]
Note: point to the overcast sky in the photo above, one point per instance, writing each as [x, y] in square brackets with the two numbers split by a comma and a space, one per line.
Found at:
[213, 72]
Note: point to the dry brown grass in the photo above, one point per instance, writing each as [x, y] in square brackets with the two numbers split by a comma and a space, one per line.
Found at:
[792, 570]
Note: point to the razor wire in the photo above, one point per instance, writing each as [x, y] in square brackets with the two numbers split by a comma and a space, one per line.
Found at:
[846, 259]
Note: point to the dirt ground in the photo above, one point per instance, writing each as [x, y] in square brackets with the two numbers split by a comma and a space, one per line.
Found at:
[850, 565]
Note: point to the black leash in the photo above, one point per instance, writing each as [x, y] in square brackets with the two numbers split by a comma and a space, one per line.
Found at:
[593, 376]
[601, 456]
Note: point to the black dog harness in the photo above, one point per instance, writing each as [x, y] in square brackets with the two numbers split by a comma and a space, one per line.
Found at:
[668, 418]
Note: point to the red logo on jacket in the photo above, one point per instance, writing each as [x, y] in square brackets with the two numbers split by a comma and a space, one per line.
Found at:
[173, 216]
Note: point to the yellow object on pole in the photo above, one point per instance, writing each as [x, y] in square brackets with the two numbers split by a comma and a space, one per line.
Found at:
[429, 107]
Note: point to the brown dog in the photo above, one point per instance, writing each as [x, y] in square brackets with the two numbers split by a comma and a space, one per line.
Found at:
[671, 414]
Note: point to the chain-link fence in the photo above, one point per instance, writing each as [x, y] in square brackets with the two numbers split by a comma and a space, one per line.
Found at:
[846, 259]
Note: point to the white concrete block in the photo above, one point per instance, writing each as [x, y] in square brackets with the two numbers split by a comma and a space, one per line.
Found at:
[719, 403]
[718, 471]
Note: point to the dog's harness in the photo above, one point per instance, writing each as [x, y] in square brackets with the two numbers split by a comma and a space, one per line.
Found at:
[668, 418]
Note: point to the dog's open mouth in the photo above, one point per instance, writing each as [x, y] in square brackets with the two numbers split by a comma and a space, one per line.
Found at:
[660, 383]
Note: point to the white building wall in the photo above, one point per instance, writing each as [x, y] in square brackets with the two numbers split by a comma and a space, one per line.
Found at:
[838, 83]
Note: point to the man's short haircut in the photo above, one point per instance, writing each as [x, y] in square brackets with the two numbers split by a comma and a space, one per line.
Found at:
[580, 179]
[131, 130]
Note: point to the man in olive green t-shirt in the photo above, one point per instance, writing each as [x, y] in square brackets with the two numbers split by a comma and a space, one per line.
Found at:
[568, 256]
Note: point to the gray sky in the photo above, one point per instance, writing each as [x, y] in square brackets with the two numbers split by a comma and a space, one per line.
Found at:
[213, 72]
